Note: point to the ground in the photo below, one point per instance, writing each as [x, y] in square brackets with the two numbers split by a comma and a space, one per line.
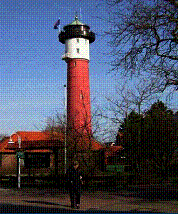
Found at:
[136, 199]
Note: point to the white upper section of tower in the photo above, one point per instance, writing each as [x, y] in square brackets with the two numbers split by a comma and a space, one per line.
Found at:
[76, 48]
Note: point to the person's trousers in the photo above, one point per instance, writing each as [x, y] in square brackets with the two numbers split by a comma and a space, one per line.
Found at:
[74, 198]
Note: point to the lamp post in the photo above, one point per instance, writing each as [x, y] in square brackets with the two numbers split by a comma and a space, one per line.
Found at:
[18, 162]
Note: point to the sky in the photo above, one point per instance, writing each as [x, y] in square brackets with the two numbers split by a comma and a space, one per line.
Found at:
[32, 73]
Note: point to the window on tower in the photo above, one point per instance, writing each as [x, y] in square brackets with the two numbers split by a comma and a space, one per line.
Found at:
[77, 40]
[78, 50]
[81, 96]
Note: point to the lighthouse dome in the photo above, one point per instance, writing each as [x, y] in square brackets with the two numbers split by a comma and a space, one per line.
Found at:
[76, 30]
[76, 22]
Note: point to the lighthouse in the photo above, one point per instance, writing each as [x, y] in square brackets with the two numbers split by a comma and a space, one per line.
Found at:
[77, 38]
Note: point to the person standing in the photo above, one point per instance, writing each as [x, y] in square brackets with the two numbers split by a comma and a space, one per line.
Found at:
[74, 181]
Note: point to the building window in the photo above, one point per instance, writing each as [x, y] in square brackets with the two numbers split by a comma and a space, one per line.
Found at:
[74, 63]
[77, 40]
[77, 50]
[37, 160]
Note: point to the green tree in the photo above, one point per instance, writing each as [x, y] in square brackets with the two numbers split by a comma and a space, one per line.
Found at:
[160, 137]
[132, 136]
[151, 140]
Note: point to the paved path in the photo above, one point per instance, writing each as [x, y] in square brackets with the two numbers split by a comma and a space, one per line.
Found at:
[53, 200]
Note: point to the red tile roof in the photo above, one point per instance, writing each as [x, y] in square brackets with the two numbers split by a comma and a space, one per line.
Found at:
[47, 140]
[3, 146]
[36, 136]
[110, 151]
[30, 140]
[85, 142]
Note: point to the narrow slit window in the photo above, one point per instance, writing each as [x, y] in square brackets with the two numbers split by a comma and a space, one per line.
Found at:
[74, 63]
[78, 50]
[77, 40]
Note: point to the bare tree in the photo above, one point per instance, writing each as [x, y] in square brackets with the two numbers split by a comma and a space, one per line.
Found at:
[129, 99]
[144, 39]
[56, 123]
[81, 143]
[3, 136]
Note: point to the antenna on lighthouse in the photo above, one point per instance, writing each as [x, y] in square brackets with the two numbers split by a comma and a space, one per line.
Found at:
[80, 14]
[76, 15]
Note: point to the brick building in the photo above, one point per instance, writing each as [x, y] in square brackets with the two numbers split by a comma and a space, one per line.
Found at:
[43, 153]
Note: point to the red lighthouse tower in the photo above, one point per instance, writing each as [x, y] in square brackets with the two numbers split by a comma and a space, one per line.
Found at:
[77, 37]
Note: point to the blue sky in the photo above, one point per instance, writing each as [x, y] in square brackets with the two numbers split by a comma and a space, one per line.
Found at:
[32, 72]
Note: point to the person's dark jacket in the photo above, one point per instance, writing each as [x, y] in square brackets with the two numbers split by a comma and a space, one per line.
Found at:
[73, 179]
